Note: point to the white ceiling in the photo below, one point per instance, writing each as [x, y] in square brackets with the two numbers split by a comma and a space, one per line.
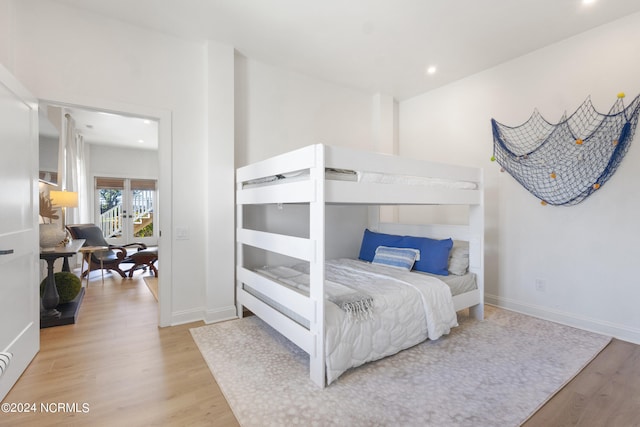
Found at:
[110, 129]
[114, 129]
[371, 45]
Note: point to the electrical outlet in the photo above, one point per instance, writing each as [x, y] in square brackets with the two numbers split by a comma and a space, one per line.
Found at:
[541, 285]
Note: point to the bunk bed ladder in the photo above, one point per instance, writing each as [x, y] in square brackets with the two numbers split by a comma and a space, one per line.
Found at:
[311, 250]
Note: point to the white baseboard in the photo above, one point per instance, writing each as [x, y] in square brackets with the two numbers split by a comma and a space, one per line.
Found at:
[621, 332]
[221, 314]
[202, 315]
[187, 316]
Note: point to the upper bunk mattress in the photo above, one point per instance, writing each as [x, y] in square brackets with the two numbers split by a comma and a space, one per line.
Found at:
[365, 177]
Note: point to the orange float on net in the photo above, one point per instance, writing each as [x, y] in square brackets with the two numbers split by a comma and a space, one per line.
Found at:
[596, 186]
[553, 175]
[543, 203]
[579, 141]
[615, 142]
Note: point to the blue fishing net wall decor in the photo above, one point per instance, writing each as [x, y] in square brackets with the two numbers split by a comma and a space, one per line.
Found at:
[565, 162]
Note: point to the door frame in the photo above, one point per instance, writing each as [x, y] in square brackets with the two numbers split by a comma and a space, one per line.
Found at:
[164, 193]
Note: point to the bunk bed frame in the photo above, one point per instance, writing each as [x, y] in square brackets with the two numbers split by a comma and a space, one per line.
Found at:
[317, 191]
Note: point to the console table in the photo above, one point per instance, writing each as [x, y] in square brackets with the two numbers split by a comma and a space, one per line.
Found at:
[49, 314]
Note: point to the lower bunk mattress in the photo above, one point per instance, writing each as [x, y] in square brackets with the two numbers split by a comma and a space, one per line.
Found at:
[372, 311]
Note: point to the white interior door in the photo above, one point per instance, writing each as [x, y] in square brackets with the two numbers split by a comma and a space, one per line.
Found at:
[19, 247]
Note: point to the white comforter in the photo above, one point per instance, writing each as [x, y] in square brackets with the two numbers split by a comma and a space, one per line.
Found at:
[407, 309]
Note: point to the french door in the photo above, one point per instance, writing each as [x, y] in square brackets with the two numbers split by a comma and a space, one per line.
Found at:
[125, 210]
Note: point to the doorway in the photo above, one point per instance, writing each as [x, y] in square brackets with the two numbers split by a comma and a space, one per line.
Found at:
[89, 120]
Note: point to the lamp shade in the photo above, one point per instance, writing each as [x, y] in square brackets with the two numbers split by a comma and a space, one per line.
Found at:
[64, 199]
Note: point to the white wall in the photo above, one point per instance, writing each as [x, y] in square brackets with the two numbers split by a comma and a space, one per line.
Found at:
[65, 55]
[278, 111]
[220, 227]
[6, 33]
[48, 154]
[122, 162]
[585, 254]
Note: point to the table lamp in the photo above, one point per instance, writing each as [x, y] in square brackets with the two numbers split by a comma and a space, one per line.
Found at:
[64, 200]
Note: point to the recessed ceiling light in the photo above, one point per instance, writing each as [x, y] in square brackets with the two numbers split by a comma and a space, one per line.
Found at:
[588, 2]
[431, 69]
[141, 141]
[146, 121]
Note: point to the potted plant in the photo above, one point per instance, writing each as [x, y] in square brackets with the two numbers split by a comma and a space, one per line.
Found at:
[50, 233]
[67, 284]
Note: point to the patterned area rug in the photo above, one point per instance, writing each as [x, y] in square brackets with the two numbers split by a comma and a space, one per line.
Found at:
[495, 372]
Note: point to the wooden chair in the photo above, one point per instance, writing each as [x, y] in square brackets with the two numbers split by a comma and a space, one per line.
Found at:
[145, 258]
[110, 259]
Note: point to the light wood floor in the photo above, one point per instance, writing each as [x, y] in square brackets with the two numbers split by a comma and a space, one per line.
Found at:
[132, 373]
[605, 393]
[117, 360]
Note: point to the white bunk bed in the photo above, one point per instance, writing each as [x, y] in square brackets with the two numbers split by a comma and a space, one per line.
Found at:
[307, 176]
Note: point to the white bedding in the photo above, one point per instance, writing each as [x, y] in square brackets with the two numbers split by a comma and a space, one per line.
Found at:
[381, 178]
[367, 177]
[407, 309]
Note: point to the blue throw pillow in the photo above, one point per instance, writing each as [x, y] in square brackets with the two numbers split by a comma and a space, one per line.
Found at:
[434, 254]
[402, 258]
[371, 241]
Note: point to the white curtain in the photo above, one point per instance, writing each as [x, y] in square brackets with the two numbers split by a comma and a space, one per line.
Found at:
[76, 172]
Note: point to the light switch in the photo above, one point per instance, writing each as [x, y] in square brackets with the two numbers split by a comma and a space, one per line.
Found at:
[182, 233]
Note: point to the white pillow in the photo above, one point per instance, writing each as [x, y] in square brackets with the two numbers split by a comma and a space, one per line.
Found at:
[459, 258]
[402, 258]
